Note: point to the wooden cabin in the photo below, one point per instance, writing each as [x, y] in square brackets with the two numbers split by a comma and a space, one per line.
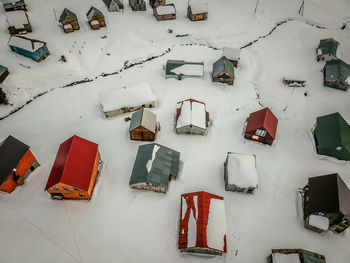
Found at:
[180, 69]
[119, 101]
[326, 204]
[4, 72]
[75, 170]
[143, 125]
[95, 18]
[327, 49]
[202, 224]
[17, 162]
[155, 166]
[191, 117]
[31, 48]
[336, 75]
[164, 12]
[223, 71]
[155, 3]
[197, 11]
[14, 5]
[18, 22]
[232, 54]
[114, 5]
[261, 126]
[137, 5]
[240, 174]
[295, 256]
[69, 21]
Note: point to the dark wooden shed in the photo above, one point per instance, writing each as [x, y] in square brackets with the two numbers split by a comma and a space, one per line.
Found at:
[18, 22]
[164, 12]
[96, 18]
[155, 3]
[197, 11]
[143, 125]
[69, 21]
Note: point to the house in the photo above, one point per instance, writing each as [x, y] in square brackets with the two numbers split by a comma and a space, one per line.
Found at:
[191, 117]
[202, 224]
[137, 5]
[261, 126]
[18, 22]
[114, 5]
[326, 203]
[4, 72]
[294, 256]
[336, 74]
[118, 101]
[332, 136]
[95, 18]
[13, 5]
[240, 173]
[327, 49]
[223, 71]
[17, 162]
[197, 11]
[143, 125]
[232, 54]
[179, 69]
[31, 48]
[155, 3]
[69, 21]
[164, 12]
[73, 175]
[155, 166]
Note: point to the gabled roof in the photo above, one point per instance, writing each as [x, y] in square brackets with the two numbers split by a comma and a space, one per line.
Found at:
[191, 112]
[145, 118]
[66, 12]
[223, 64]
[337, 70]
[328, 46]
[92, 11]
[263, 119]
[11, 152]
[3, 69]
[74, 163]
[154, 164]
[25, 43]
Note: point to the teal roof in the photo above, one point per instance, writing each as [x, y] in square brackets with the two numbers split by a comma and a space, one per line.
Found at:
[92, 11]
[311, 257]
[223, 64]
[66, 12]
[2, 70]
[337, 70]
[328, 46]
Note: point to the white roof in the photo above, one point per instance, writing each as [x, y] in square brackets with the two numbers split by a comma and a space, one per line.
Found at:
[115, 99]
[17, 18]
[231, 53]
[216, 228]
[191, 114]
[189, 70]
[320, 222]
[165, 9]
[241, 169]
[199, 8]
[25, 43]
[285, 258]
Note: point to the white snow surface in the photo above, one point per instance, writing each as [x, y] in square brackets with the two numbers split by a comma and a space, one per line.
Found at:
[242, 170]
[17, 18]
[192, 113]
[165, 9]
[25, 44]
[285, 258]
[231, 53]
[216, 228]
[320, 222]
[189, 70]
[150, 162]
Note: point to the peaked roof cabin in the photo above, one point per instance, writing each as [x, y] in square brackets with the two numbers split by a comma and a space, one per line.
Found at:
[332, 136]
[13, 5]
[32, 48]
[143, 125]
[4, 72]
[327, 49]
[16, 163]
[69, 20]
[232, 54]
[114, 5]
[155, 3]
[137, 5]
[18, 22]
[295, 256]
[164, 12]
[197, 11]
[336, 74]
[261, 126]
[179, 69]
[223, 71]
[154, 167]
[74, 172]
[202, 224]
[95, 18]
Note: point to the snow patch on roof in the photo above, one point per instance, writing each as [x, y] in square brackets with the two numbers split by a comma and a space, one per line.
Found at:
[165, 9]
[25, 44]
[192, 113]
[241, 170]
[192, 224]
[285, 258]
[17, 19]
[216, 228]
[150, 162]
[320, 222]
[189, 70]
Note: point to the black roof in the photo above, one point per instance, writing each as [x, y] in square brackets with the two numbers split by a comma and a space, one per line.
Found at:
[11, 152]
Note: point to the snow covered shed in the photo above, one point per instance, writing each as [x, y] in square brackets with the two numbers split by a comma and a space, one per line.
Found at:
[164, 12]
[17, 162]
[31, 48]
[137, 5]
[240, 173]
[223, 71]
[118, 101]
[295, 256]
[114, 5]
[95, 18]
[155, 3]
[69, 20]
[202, 224]
[197, 11]
[143, 125]
[191, 117]
[4, 72]
[261, 126]
[13, 5]
[179, 69]
[232, 54]
[332, 136]
[155, 166]
[336, 74]
[327, 49]
[18, 22]
[326, 203]
[75, 170]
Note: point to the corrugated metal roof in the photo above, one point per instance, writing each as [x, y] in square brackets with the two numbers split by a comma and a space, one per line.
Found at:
[66, 12]
[328, 46]
[145, 118]
[337, 70]
[3, 69]
[223, 64]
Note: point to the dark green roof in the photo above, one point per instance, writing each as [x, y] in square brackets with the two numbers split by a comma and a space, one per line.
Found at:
[223, 64]
[328, 46]
[93, 10]
[311, 257]
[66, 12]
[173, 64]
[2, 70]
[154, 164]
[337, 70]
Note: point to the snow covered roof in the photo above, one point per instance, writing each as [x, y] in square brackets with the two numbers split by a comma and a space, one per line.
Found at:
[320, 222]
[231, 53]
[181, 67]
[67, 26]
[191, 112]
[285, 258]
[145, 118]
[199, 8]
[241, 170]
[165, 9]
[133, 96]
[31, 45]
[17, 18]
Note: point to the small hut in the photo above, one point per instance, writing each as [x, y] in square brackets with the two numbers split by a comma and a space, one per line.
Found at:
[4, 72]
[202, 224]
[137, 5]
[155, 3]
[17, 162]
[261, 126]
[155, 166]
[75, 170]
[326, 204]
[232, 54]
[143, 125]
[240, 173]
[18, 22]
[336, 74]
[294, 256]
[223, 71]
[327, 49]
[14, 5]
[95, 18]
[32, 48]
[180, 69]
[164, 12]
[197, 11]
[114, 5]
[69, 21]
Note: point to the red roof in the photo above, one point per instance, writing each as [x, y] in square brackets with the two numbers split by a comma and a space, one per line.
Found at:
[262, 119]
[178, 110]
[74, 163]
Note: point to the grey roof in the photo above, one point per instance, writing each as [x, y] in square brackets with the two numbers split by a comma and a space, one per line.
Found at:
[328, 46]
[223, 64]
[2, 70]
[5, 2]
[173, 64]
[145, 118]
[336, 70]
[154, 164]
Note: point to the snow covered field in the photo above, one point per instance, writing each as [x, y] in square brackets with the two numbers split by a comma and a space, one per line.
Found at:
[124, 225]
